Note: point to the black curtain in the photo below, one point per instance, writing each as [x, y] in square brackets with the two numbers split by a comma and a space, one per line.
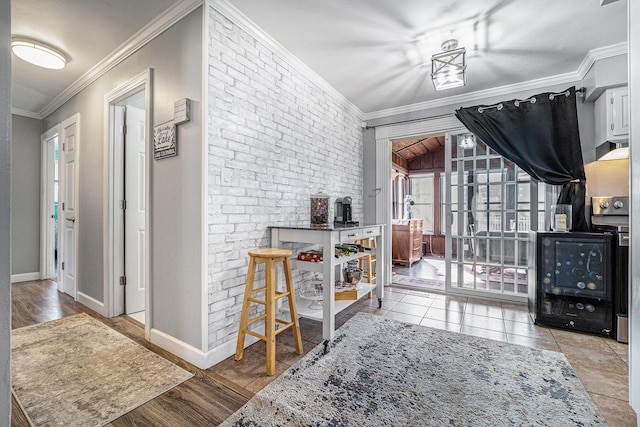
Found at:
[540, 135]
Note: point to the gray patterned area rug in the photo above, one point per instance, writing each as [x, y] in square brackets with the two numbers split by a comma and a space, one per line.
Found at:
[381, 372]
[76, 371]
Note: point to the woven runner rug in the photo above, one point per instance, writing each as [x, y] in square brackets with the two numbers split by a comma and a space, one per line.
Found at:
[418, 283]
[381, 372]
[76, 371]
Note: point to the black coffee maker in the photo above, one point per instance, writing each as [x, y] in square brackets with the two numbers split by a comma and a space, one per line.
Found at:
[343, 213]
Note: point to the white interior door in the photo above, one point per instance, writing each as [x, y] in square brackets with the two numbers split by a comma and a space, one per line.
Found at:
[134, 217]
[49, 205]
[69, 212]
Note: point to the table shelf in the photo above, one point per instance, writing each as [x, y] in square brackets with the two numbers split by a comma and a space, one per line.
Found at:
[302, 304]
[317, 267]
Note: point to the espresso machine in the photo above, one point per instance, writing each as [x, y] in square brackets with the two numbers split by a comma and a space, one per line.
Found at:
[343, 213]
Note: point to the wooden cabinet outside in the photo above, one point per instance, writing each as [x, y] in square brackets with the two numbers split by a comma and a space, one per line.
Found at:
[406, 242]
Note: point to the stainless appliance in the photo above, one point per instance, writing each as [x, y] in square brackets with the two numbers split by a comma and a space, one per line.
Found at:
[611, 214]
[343, 213]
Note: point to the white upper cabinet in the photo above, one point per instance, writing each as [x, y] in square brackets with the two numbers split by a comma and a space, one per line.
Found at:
[612, 115]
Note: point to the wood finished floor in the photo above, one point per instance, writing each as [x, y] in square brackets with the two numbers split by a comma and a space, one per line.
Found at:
[214, 394]
[204, 400]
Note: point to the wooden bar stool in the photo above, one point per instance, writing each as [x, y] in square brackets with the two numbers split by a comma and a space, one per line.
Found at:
[366, 263]
[269, 256]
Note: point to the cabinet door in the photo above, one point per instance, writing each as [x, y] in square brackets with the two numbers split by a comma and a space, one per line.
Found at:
[620, 111]
[416, 239]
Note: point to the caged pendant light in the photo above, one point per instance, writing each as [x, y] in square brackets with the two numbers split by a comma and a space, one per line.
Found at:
[448, 66]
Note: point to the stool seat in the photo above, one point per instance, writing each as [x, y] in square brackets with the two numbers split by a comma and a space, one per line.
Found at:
[270, 253]
[269, 256]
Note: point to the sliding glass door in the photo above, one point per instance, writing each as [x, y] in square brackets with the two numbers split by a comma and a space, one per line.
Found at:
[490, 209]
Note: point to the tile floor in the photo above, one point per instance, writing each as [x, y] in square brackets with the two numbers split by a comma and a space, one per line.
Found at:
[602, 364]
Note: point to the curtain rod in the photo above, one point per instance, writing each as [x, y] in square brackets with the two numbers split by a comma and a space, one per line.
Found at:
[532, 100]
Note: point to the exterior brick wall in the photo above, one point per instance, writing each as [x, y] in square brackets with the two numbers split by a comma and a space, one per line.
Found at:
[274, 138]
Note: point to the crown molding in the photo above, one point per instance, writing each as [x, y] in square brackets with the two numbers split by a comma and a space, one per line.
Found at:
[149, 32]
[571, 77]
[25, 113]
[600, 53]
[240, 19]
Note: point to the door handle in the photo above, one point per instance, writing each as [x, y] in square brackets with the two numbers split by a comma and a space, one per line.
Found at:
[72, 219]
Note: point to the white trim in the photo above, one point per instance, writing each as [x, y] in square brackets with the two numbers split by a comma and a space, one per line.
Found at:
[489, 296]
[25, 277]
[25, 113]
[383, 137]
[220, 353]
[193, 355]
[185, 351]
[45, 245]
[111, 287]
[241, 20]
[428, 126]
[91, 302]
[149, 32]
[204, 196]
[148, 176]
[567, 78]
[600, 53]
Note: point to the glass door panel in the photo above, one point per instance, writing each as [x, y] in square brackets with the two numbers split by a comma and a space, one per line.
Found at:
[490, 206]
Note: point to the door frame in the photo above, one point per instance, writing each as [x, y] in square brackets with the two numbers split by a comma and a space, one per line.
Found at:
[46, 198]
[384, 135]
[113, 222]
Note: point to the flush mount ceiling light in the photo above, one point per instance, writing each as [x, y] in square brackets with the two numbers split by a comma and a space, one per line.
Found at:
[467, 141]
[448, 66]
[38, 54]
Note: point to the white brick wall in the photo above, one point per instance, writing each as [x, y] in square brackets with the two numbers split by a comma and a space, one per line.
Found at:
[274, 138]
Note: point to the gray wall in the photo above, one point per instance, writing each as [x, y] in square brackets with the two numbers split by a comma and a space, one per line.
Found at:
[369, 177]
[5, 212]
[175, 57]
[25, 194]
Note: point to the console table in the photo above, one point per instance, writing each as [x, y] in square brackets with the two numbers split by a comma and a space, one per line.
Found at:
[328, 238]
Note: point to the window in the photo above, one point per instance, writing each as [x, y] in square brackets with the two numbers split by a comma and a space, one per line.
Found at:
[422, 195]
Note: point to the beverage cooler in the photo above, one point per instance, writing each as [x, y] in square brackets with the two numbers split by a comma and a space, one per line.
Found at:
[574, 282]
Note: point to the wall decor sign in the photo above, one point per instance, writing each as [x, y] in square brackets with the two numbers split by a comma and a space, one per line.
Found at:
[165, 142]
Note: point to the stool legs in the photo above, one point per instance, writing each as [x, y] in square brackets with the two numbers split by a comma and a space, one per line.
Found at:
[244, 317]
[292, 306]
[270, 321]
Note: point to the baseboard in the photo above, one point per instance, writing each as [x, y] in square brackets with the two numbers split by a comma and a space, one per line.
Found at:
[25, 277]
[218, 354]
[193, 355]
[92, 303]
[181, 349]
